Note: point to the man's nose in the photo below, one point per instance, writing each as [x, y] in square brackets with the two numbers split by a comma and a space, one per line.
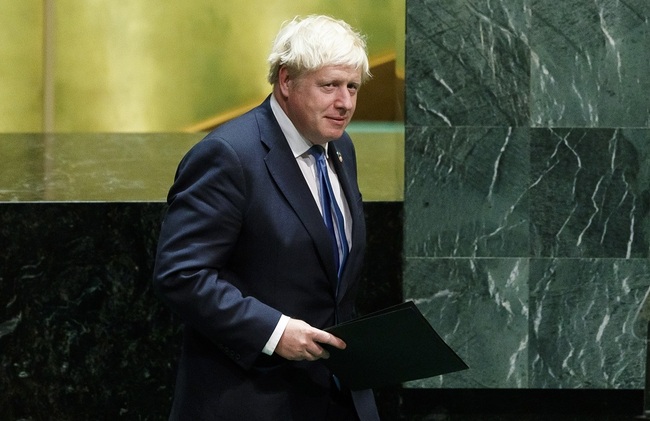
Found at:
[344, 99]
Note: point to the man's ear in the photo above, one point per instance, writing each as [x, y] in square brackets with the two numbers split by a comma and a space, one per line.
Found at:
[284, 79]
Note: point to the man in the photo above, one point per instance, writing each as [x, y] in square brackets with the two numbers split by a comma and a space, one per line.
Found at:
[245, 256]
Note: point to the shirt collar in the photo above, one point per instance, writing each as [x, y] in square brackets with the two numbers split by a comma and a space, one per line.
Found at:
[298, 144]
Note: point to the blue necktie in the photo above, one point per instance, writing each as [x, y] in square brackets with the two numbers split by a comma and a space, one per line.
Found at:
[331, 212]
[333, 219]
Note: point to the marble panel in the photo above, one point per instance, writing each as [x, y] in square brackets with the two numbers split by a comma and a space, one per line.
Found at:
[90, 166]
[588, 323]
[536, 323]
[589, 63]
[138, 167]
[591, 192]
[468, 63]
[466, 192]
[480, 308]
[83, 336]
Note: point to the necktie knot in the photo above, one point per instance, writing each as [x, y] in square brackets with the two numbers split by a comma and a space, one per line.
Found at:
[317, 151]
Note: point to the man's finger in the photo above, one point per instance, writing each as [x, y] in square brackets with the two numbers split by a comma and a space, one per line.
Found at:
[328, 338]
[337, 342]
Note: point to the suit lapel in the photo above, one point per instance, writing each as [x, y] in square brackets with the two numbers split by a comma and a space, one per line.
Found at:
[348, 183]
[285, 172]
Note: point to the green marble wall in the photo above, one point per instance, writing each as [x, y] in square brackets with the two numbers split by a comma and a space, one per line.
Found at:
[527, 188]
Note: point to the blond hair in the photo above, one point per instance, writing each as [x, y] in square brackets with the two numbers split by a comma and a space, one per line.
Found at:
[306, 44]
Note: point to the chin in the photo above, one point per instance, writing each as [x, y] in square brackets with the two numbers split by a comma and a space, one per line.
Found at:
[333, 135]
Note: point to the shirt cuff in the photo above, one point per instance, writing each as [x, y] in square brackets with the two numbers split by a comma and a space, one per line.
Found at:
[269, 348]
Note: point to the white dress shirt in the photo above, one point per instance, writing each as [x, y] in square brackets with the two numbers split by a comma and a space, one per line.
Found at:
[300, 148]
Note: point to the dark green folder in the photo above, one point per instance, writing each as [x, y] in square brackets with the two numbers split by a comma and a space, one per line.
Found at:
[388, 347]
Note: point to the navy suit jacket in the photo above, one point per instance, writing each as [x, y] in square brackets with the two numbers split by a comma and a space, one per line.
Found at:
[243, 242]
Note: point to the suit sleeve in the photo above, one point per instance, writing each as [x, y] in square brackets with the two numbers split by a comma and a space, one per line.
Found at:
[206, 206]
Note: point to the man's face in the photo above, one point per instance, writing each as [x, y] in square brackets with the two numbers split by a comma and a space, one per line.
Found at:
[321, 103]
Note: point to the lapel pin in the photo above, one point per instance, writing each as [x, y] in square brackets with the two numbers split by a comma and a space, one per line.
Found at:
[340, 156]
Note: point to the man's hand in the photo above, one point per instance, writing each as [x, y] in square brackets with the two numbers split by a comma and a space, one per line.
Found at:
[300, 341]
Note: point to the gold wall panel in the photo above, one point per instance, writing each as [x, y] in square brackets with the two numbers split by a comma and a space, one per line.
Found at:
[151, 65]
[21, 65]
